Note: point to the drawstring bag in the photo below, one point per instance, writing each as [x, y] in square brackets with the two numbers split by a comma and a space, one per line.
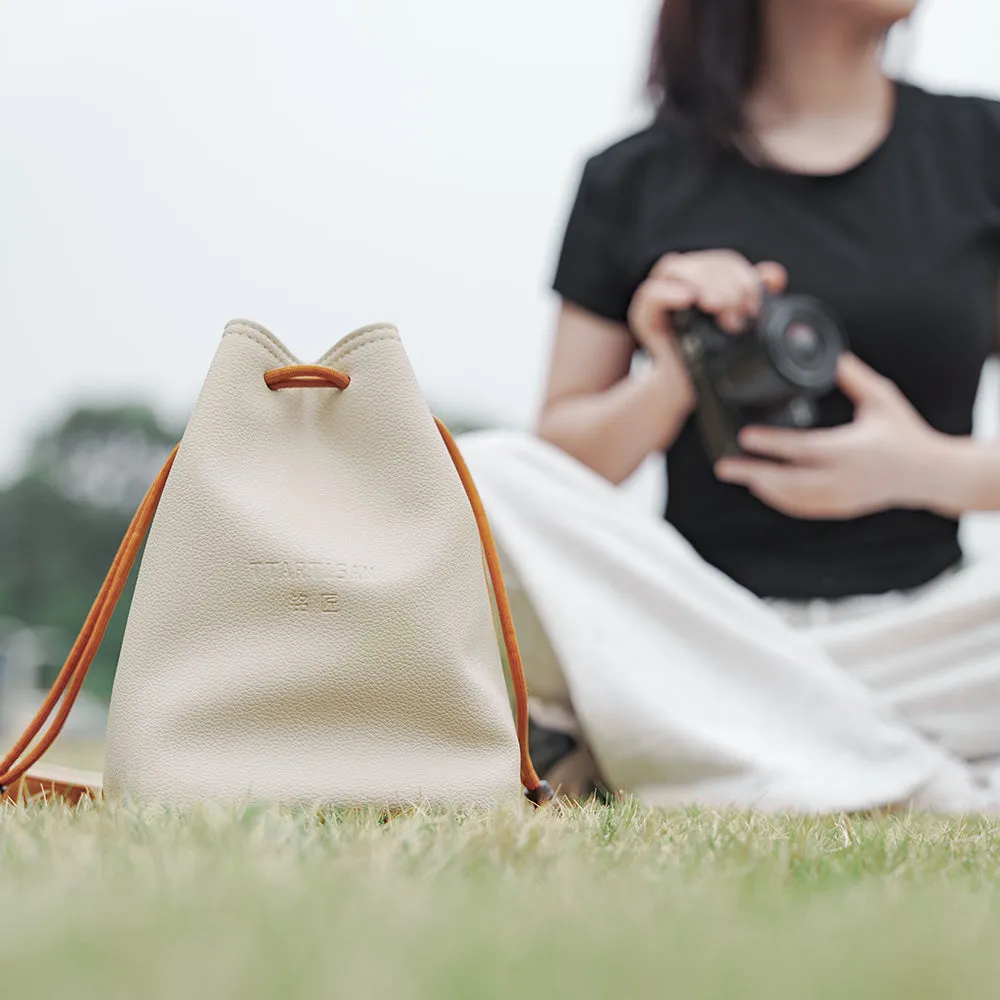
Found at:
[312, 620]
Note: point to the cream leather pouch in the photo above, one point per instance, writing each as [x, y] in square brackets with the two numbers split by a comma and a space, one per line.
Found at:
[312, 622]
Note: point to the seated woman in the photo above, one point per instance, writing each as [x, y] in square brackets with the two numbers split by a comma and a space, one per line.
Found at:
[801, 631]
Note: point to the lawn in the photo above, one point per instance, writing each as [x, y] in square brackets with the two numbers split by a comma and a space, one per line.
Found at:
[110, 902]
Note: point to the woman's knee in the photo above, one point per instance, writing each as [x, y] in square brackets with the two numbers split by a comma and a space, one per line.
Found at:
[523, 459]
[498, 445]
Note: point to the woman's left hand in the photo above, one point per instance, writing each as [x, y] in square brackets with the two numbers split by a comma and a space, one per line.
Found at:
[884, 458]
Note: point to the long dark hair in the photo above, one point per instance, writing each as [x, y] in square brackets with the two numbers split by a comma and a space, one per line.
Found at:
[705, 58]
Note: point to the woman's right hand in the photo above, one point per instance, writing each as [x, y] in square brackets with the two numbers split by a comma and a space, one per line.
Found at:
[610, 421]
[721, 283]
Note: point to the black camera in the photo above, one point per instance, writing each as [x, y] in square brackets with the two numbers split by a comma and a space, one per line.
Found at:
[771, 374]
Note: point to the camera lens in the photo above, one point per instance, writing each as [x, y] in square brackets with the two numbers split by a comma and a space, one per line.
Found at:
[792, 350]
[803, 343]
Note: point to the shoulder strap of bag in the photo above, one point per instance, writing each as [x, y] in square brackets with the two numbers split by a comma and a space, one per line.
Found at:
[67, 685]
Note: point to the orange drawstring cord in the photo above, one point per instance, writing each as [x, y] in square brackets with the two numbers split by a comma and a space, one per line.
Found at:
[538, 791]
[70, 680]
[305, 377]
[72, 675]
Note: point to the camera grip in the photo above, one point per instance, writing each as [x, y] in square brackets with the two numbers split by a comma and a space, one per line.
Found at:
[715, 422]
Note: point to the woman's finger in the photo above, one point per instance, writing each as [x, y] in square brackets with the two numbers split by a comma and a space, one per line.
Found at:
[798, 447]
[663, 268]
[747, 288]
[754, 296]
[716, 278]
[649, 314]
[732, 320]
[727, 286]
[773, 276]
[757, 474]
[665, 295]
[802, 492]
[860, 383]
[753, 293]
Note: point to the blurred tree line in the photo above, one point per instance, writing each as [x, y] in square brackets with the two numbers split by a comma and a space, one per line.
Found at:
[63, 518]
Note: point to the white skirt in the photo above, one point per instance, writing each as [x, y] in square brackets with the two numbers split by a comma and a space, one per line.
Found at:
[688, 689]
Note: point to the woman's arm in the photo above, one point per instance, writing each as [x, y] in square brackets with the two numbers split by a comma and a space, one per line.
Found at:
[598, 412]
[603, 416]
[967, 477]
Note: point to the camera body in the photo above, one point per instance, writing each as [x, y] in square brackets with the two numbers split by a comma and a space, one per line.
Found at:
[772, 374]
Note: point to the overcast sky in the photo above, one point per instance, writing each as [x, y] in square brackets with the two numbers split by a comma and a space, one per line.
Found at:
[170, 164]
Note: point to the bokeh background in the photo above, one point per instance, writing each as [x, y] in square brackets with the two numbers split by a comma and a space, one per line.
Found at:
[167, 166]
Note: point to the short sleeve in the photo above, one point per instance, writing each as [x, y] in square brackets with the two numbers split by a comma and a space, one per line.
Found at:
[589, 272]
[989, 122]
[993, 151]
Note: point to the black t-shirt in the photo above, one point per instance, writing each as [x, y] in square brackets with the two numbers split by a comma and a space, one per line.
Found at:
[905, 247]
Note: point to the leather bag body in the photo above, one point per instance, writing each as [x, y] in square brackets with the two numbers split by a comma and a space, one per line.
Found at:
[312, 620]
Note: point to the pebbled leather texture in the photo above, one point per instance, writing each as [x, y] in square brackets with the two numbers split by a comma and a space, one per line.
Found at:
[311, 620]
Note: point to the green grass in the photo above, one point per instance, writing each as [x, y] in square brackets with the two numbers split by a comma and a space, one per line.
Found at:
[110, 902]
